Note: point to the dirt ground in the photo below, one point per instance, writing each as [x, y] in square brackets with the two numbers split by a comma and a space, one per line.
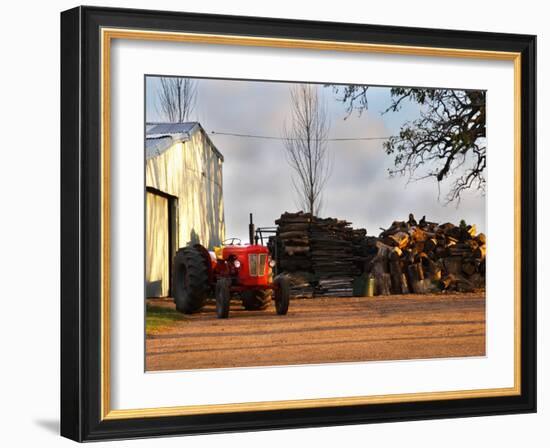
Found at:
[320, 331]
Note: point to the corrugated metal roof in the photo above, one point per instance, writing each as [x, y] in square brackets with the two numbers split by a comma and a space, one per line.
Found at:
[170, 128]
[157, 145]
[161, 136]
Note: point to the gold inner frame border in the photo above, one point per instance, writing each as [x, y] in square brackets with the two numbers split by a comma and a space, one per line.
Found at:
[107, 35]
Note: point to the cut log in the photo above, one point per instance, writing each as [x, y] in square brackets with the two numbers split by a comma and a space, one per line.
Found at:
[404, 284]
[416, 275]
[453, 265]
[293, 250]
[479, 253]
[396, 274]
[430, 245]
[383, 284]
[469, 267]
[399, 239]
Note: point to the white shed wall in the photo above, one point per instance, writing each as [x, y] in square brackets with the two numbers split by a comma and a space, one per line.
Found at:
[156, 247]
[190, 171]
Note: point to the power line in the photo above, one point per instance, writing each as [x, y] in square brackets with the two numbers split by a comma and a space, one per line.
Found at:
[270, 137]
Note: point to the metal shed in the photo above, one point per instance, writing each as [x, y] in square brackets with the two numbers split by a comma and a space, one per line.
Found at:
[184, 197]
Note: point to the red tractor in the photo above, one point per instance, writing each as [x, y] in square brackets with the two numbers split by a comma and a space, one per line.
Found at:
[235, 269]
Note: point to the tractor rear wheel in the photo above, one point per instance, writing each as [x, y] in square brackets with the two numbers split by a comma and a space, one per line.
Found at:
[223, 298]
[189, 280]
[256, 299]
[282, 294]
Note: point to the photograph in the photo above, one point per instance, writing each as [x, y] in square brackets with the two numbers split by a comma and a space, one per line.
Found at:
[274, 223]
[297, 223]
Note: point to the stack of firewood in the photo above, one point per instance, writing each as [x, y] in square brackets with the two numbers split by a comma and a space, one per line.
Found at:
[293, 242]
[325, 254]
[422, 257]
[323, 257]
[293, 252]
[332, 257]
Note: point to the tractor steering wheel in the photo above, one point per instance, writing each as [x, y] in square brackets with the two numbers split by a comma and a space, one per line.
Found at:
[231, 241]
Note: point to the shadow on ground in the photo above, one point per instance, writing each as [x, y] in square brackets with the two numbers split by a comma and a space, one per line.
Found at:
[51, 426]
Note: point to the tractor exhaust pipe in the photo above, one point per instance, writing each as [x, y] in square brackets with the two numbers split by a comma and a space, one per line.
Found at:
[251, 230]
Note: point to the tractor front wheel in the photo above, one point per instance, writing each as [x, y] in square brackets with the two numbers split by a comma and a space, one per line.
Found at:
[282, 294]
[223, 298]
[189, 280]
[256, 299]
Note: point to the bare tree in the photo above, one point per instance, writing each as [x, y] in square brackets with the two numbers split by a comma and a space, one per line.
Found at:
[177, 99]
[305, 141]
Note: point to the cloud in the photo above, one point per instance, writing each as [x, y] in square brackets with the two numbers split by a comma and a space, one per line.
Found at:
[257, 178]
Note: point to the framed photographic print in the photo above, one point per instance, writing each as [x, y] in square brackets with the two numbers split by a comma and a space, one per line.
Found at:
[277, 224]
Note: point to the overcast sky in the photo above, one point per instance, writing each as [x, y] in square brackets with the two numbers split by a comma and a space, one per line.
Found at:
[257, 178]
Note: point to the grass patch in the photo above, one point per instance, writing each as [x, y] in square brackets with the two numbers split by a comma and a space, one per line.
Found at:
[158, 317]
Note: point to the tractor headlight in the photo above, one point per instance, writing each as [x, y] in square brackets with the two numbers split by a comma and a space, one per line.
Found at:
[237, 264]
[272, 263]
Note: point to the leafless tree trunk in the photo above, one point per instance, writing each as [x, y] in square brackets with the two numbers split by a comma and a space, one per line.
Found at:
[305, 140]
[177, 99]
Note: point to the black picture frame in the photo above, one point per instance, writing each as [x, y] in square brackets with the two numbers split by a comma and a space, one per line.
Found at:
[81, 224]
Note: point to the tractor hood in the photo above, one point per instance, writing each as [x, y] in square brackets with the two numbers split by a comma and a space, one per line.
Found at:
[254, 263]
[244, 250]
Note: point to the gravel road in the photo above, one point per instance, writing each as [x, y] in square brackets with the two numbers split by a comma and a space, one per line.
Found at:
[322, 331]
